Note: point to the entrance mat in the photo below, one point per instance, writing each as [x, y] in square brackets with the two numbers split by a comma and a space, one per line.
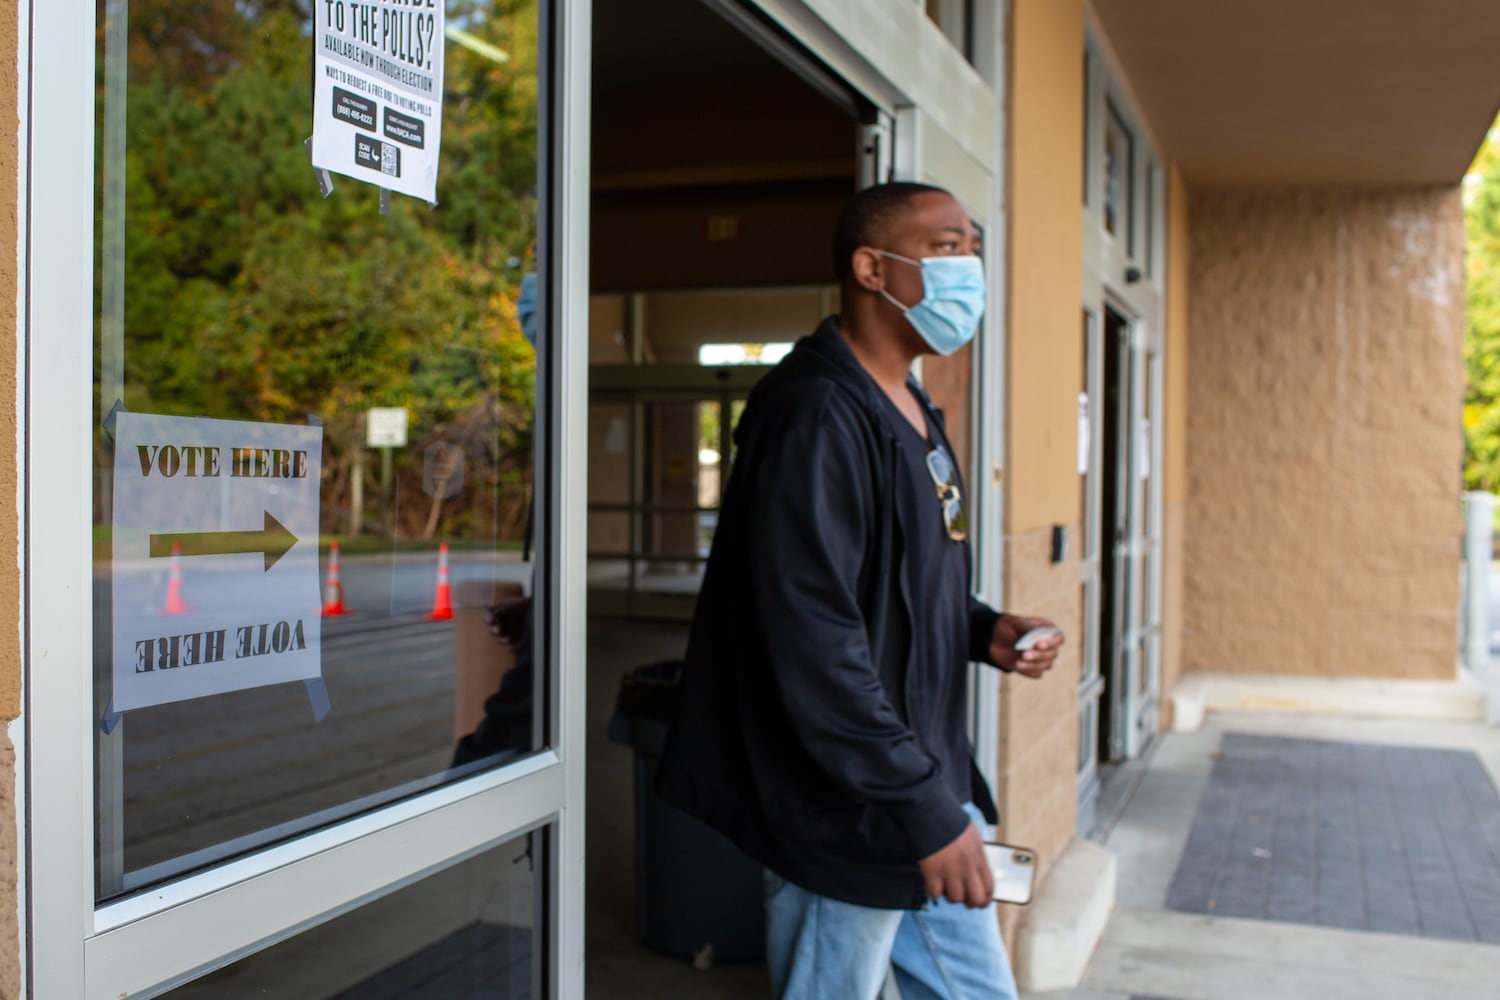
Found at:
[1361, 836]
[478, 962]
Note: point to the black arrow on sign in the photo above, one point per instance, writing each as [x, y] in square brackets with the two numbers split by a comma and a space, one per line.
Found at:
[273, 540]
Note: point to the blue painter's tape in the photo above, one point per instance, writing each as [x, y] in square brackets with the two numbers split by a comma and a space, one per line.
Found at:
[109, 420]
[317, 693]
[111, 718]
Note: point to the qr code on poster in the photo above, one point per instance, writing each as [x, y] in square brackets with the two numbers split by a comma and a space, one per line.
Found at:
[390, 159]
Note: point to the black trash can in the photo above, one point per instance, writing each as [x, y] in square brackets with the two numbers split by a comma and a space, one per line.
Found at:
[693, 887]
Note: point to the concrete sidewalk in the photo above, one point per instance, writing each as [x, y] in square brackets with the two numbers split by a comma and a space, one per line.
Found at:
[1255, 864]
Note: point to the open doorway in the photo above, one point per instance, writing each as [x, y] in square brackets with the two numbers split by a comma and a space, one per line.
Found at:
[1114, 515]
[722, 155]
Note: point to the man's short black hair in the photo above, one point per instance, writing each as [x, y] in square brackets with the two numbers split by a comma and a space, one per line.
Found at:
[867, 216]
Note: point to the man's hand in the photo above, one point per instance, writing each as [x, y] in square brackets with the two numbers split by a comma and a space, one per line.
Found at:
[1037, 660]
[507, 620]
[959, 872]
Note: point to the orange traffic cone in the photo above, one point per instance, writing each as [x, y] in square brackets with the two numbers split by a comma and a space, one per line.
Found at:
[333, 590]
[442, 601]
[175, 604]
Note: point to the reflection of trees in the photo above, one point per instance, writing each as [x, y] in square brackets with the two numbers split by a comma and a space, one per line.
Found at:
[249, 296]
[1482, 319]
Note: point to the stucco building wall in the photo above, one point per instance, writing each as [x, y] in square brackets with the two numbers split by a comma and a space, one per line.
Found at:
[1323, 465]
[1045, 355]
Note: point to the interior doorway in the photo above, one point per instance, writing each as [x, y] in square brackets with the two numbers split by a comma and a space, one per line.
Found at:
[1114, 521]
[722, 154]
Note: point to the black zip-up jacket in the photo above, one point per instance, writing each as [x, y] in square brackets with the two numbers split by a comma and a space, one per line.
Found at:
[803, 720]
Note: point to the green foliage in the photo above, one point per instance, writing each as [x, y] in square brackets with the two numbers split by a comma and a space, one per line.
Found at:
[248, 296]
[1482, 320]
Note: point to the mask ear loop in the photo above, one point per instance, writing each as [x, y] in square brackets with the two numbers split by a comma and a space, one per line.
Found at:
[897, 256]
[895, 302]
[888, 296]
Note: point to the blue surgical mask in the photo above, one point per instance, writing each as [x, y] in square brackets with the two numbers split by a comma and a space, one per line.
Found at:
[952, 300]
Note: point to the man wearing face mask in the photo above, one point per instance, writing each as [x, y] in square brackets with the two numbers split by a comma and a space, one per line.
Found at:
[822, 725]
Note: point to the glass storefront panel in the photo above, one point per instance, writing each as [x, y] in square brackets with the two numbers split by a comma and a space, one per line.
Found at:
[471, 930]
[314, 463]
[1146, 465]
[1119, 180]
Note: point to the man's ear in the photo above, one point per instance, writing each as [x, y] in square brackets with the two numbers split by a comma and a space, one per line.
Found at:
[868, 269]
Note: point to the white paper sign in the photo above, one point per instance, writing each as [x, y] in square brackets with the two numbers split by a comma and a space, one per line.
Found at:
[1145, 448]
[215, 573]
[378, 95]
[385, 427]
[1085, 435]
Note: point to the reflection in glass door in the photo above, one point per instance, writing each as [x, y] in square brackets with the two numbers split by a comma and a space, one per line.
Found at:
[378, 349]
[471, 930]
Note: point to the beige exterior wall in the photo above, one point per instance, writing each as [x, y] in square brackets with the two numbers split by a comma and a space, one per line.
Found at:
[1323, 464]
[1037, 781]
[1045, 202]
[1174, 482]
[10, 582]
[1037, 787]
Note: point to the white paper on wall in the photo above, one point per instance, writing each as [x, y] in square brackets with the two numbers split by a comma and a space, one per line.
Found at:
[1085, 435]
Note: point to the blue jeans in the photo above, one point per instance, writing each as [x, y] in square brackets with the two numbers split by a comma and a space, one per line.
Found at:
[823, 949]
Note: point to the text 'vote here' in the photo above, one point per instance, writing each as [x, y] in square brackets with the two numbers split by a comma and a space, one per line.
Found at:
[207, 461]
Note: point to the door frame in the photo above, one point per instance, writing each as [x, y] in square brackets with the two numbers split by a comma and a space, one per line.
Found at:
[944, 119]
[936, 163]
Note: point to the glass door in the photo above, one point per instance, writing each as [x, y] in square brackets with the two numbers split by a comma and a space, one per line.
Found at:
[328, 426]
[1146, 547]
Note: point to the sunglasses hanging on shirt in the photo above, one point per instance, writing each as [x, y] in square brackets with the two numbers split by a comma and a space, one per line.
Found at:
[945, 478]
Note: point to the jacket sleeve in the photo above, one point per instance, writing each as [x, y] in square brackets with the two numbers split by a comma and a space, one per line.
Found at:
[982, 619]
[811, 511]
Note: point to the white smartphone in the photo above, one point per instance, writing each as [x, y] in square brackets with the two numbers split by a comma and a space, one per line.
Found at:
[1036, 635]
[1013, 869]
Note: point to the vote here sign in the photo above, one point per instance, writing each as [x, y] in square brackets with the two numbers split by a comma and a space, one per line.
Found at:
[215, 541]
[378, 92]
